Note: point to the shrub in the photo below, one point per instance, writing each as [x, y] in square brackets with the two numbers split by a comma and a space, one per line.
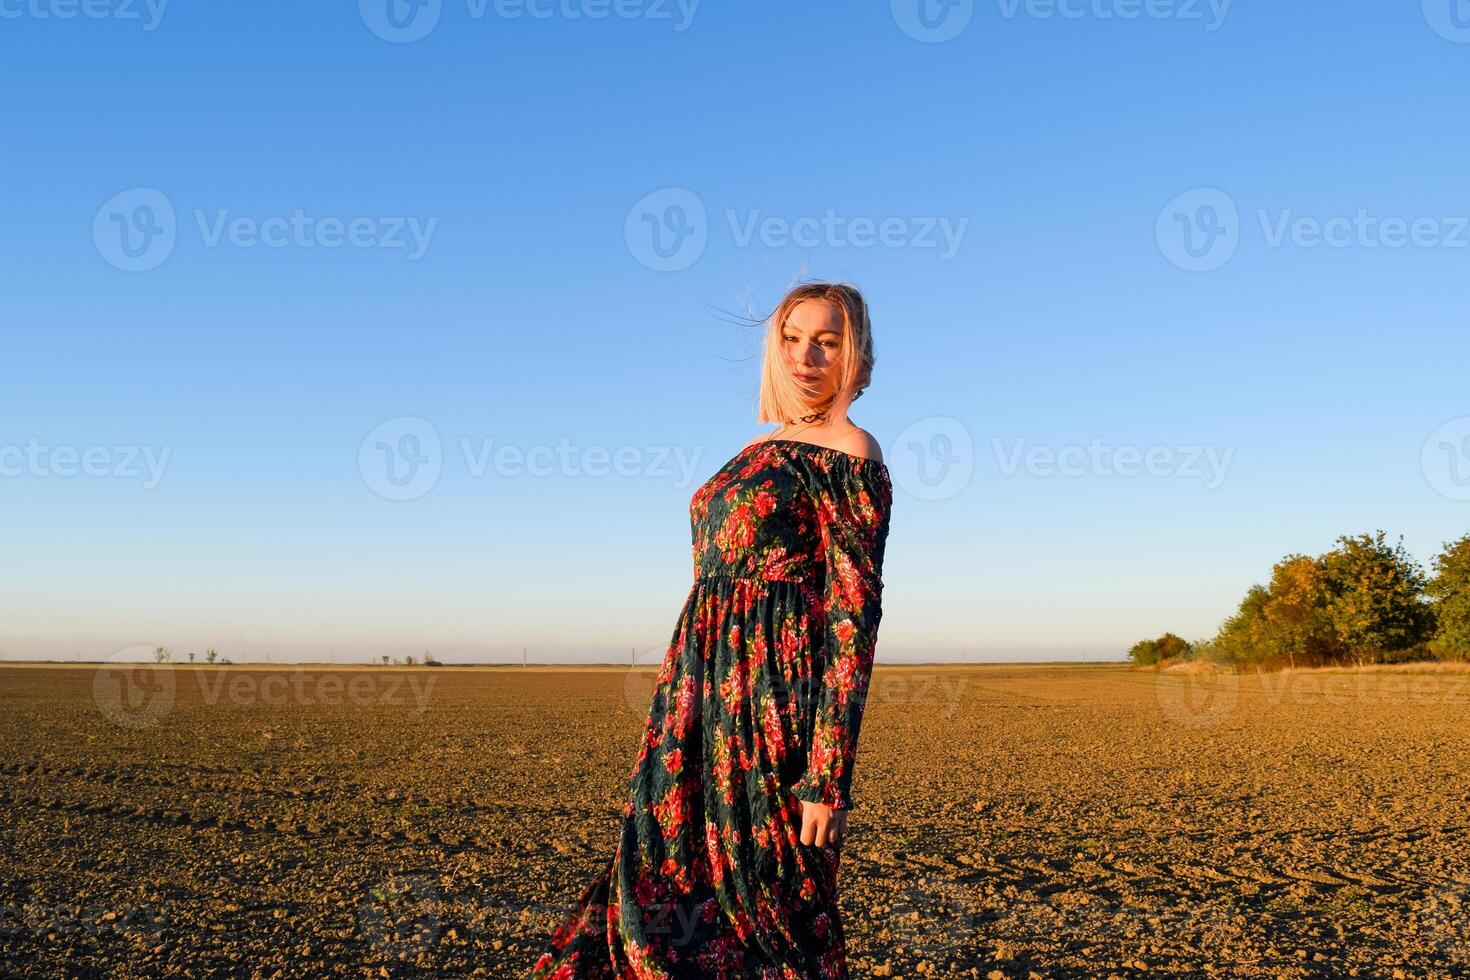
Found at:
[1146, 653]
[1450, 589]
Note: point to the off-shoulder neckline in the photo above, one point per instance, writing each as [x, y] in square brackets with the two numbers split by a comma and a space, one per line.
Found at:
[802, 442]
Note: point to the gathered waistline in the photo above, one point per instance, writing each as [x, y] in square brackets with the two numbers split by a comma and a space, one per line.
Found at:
[729, 576]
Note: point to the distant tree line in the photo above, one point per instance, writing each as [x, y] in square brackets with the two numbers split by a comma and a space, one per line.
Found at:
[1362, 602]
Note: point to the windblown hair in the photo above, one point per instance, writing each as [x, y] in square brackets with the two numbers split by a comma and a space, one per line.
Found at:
[781, 399]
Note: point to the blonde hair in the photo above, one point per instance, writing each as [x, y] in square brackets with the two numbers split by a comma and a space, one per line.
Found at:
[781, 398]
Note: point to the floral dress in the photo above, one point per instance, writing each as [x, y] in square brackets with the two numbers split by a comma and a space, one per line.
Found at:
[756, 708]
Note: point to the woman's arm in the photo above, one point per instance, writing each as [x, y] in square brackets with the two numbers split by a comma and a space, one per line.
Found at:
[853, 499]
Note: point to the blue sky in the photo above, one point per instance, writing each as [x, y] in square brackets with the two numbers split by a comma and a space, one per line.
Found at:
[1085, 229]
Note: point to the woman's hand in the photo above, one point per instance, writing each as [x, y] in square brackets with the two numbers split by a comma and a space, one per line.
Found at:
[821, 825]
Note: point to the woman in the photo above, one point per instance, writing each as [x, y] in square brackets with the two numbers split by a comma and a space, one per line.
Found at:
[737, 804]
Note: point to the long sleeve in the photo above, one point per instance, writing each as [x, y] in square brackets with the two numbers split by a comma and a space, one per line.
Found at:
[853, 499]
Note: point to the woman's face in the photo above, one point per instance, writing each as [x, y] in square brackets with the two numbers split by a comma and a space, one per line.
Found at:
[812, 340]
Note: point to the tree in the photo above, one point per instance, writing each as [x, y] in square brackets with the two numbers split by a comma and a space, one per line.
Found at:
[1234, 641]
[211, 655]
[1450, 589]
[408, 660]
[1293, 624]
[385, 659]
[191, 656]
[1146, 653]
[162, 655]
[1375, 599]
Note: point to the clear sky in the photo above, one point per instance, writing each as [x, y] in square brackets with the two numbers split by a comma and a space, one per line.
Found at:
[1220, 247]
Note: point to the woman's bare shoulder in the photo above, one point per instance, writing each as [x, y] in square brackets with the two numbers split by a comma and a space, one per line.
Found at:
[759, 438]
[860, 442]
